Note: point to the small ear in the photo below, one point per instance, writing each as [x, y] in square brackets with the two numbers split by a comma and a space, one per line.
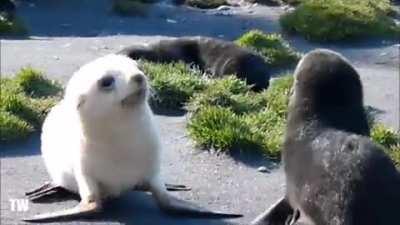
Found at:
[81, 101]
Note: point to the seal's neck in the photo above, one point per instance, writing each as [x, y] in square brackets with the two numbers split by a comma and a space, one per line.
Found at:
[116, 124]
[351, 118]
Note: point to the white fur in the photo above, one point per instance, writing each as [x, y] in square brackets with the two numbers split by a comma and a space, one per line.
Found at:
[101, 148]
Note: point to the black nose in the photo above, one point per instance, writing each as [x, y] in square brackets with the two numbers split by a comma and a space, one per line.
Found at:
[139, 78]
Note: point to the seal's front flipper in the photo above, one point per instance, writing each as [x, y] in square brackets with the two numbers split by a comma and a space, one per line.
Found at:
[175, 206]
[177, 187]
[81, 210]
[278, 214]
[49, 192]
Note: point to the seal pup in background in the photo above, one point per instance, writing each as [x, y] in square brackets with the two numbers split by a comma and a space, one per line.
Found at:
[101, 140]
[214, 56]
[335, 175]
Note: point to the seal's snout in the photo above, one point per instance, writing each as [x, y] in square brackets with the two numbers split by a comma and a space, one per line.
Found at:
[138, 79]
[139, 84]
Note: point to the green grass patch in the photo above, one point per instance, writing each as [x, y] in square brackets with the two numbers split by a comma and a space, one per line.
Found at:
[389, 139]
[12, 128]
[228, 115]
[34, 84]
[220, 128]
[275, 50]
[224, 113]
[172, 84]
[25, 101]
[333, 20]
[228, 92]
[206, 4]
[131, 7]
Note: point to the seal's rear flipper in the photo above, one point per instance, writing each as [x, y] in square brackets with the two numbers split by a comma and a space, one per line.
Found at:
[45, 186]
[48, 192]
[80, 211]
[278, 214]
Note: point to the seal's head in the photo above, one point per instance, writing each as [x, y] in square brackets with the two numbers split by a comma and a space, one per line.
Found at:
[328, 88]
[107, 85]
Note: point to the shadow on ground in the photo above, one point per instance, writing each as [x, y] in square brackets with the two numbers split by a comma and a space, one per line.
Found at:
[134, 208]
[28, 147]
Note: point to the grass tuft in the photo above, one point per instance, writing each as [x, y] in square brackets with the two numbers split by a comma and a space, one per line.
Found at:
[12, 128]
[227, 116]
[25, 101]
[34, 84]
[172, 84]
[389, 139]
[333, 20]
[219, 128]
[229, 92]
[276, 51]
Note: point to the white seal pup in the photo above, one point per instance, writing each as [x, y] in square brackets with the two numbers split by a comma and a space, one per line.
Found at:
[335, 175]
[101, 140]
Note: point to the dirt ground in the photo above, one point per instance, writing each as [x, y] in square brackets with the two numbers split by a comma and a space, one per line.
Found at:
[65, 35]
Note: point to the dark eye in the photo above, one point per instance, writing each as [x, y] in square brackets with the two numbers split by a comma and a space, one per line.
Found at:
[107, 83]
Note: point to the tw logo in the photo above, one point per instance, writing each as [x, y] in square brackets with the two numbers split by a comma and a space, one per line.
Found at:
[19, 205]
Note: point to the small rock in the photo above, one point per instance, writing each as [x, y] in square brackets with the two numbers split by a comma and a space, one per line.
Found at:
[262, 169]
[56, 57]
[66, 45]
[171, 21]
[288, 8]
[223, 8]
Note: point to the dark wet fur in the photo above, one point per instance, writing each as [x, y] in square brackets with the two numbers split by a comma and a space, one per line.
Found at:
[217, 57]
[334, 172]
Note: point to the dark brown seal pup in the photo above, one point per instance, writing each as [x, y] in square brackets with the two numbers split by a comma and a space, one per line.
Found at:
[335, 174]
[214, 56]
